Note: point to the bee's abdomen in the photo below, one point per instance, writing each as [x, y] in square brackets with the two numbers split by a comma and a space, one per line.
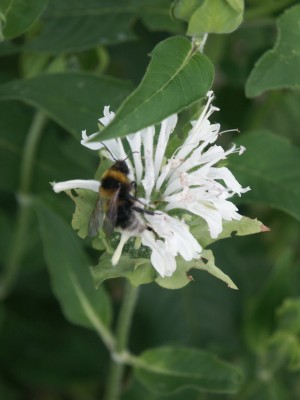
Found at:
[127, 219]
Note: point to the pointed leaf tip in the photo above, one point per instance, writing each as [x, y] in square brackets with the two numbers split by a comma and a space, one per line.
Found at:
[265, 228]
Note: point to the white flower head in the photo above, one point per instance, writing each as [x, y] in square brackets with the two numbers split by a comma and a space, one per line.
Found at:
[190, 180]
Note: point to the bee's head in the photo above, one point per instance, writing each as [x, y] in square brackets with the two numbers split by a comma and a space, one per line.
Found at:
[121, 166]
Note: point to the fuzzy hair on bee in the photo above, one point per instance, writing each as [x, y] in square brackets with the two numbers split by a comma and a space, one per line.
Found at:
[117, 204]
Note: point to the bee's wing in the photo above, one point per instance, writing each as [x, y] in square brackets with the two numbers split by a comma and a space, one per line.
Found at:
[110, 220]
[96, 220]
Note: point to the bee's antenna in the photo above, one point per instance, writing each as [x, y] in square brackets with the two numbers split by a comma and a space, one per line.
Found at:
[112, 154]
[130, 154]
[108, 151]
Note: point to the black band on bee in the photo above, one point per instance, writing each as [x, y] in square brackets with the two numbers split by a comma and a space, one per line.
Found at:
[120, 166]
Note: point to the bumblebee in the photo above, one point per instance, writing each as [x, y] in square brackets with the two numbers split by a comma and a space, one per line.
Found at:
[116, 204]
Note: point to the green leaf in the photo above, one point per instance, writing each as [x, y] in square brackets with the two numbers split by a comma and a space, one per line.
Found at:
[284, 344]
[8, 48]
[177, 76]
[97, 22]
[166, 370]
[271, 167]
[14, 121]
[80, 102]
[288, 316]
[90, 23]
[137, 271]
[184, 9]
[59, 157]
[157, 17]
[210, 16]
[32, 357]
[246, 226]
[207, 263]
[85, 201]
[279, 68]
[137, 392]
[9, 392]
[270, 389]
[68, 265]
[18, 15]
[270, 295]
[182, 276]
[2, 316]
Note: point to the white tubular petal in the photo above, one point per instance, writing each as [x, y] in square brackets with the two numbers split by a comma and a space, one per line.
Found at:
[200, 131]
[213, 155]
[161, 259]
[228, 178]
[149, 178]
[90, 145]
[118, 252]
[121, 150]
[206, 113]
[173, 187]
[76, 184]
[242, 150]
[227, 209]
[178, 239]
[167, 127]
[182, 182]
[211, 216]
[197, 205]
[108, 116]
[184, 242]
[162, 177]
[113, 146]
[135, 143]
[167, 170]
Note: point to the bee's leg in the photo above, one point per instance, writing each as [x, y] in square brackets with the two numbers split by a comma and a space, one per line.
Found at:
[134, 199]
[143, 211]
[151, 230]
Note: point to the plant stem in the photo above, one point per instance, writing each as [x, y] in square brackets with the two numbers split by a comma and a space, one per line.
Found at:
[23, 216]
[34, 134]
[122, 334]
[199, 42]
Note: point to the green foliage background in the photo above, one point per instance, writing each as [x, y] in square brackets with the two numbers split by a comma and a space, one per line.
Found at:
[61, 62]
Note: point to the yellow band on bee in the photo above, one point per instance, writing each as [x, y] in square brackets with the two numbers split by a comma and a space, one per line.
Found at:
[117, 175]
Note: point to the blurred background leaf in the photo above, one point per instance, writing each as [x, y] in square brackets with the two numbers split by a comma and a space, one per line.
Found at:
[81, 101]
[68, 266]
[271, 167]
[167, 370]
[210, 16]
[75, 26]
[279, 68]
[18, 15]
